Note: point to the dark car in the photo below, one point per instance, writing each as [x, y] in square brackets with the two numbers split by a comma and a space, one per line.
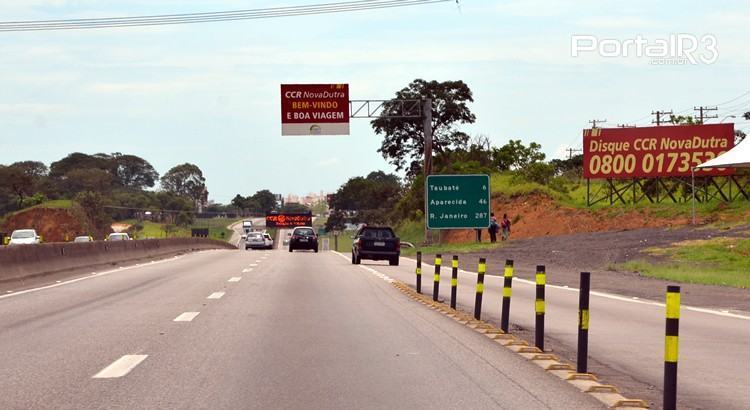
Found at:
[376, 243]
[303, 237]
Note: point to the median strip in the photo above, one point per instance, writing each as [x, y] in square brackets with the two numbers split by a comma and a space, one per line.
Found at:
[121, 366]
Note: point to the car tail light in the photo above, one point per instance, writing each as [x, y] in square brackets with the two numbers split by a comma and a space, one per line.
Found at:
[398, 243]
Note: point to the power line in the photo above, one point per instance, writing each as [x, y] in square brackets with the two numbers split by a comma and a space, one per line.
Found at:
[189, 18]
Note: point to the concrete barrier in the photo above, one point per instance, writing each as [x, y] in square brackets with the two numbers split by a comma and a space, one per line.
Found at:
[24, 261]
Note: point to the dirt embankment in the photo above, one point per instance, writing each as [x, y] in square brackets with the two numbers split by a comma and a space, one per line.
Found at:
[538, 215]
[54, 225]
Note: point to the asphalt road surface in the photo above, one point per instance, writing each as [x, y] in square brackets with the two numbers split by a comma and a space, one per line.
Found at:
[253, 329]
[626, 335]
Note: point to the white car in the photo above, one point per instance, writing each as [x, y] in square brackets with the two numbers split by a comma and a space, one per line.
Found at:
[83, 239]
[118, 237]
[258, 240]
[24, 237]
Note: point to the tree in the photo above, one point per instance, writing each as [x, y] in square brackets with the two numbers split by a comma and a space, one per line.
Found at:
[294, 207]
[265, 201]
[403, 142]
[185, 180]
[134, 172]
[16, 181]
[684, 120]
[336, 221]
[515, 155]
[34, 169]
[93, 206]
[78, 160]
[92, 179]
[372, 197]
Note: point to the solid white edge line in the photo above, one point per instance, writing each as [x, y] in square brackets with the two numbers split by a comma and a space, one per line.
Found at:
[186, 317]
[605, 295]
[216, 295]
[92, 275]
[121, 366]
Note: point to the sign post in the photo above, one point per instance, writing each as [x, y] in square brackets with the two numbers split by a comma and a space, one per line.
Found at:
[457, 201]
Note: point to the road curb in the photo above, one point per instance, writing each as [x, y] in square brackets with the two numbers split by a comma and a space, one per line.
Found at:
[587, 383]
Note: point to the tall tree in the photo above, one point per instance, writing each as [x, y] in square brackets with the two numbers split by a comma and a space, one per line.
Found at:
[265, 200]
[515, 155]
[403, 138]
[186, 180]
[78, 160]
[134, 172]
[15, 180]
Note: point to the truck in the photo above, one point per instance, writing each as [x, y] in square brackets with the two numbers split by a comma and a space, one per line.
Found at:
[376, 243]
[247, 226]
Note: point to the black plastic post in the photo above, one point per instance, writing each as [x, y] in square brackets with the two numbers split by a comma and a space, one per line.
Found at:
[436, 279]
[539, 306]
[480, 288]
[671, 345]
[583, 323]
[454, 281]
[507, 292]
[419, 271]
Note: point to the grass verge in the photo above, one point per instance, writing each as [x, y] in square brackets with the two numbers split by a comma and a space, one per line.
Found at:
[719, 261]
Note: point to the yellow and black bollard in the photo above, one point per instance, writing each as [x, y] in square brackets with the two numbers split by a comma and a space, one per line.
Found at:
[583, 323]
[419, 271]
[541, 281]
[454, 281]
[436, 280]
[480, 288]
[671, 344]
[507, 283]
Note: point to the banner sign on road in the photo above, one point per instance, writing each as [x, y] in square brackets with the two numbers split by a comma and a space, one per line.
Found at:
[288, 220]
[314, 109]
[649, 152]
[457, 201]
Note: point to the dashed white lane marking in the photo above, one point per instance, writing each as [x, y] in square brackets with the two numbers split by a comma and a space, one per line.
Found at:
[253, 264]
[121, 366]
[186, 317]
[234, 279]
[216, 295]
[246, 270]
[258, 261]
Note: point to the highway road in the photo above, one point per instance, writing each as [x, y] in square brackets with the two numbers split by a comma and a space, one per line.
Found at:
[626, 335]
[253, 329]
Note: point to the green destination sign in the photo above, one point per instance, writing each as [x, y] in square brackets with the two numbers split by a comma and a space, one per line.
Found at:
[458, 201]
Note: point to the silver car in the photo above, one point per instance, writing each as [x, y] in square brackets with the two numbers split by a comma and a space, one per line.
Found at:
[258, 240]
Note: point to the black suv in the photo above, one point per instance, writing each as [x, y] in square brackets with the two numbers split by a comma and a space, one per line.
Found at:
[303, 237]
[376, 243]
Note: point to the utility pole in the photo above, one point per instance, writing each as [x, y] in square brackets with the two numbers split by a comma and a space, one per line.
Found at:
[595, 122]
[702, 113]
[572, 150]
[659, 115]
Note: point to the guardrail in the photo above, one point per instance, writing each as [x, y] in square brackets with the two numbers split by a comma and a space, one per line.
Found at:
[25, 261]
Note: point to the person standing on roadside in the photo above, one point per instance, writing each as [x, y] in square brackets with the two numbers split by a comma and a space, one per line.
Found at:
[494, 227]
[505, 224]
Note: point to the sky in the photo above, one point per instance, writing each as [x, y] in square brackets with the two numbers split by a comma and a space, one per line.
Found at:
[208, 94]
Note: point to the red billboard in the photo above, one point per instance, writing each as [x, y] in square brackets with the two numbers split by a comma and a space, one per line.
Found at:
[650, 152]
[314, 109]
[288, 220]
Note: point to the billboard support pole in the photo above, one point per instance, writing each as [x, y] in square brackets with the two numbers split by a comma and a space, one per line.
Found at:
[692, 190]
[427, 130]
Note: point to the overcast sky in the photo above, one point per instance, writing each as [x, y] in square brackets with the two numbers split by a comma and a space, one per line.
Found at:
[209, 93]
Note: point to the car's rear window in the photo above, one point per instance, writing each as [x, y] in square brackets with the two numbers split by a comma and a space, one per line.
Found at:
[304, 232]
[23, 234]
[254, 235]
[378, 233]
